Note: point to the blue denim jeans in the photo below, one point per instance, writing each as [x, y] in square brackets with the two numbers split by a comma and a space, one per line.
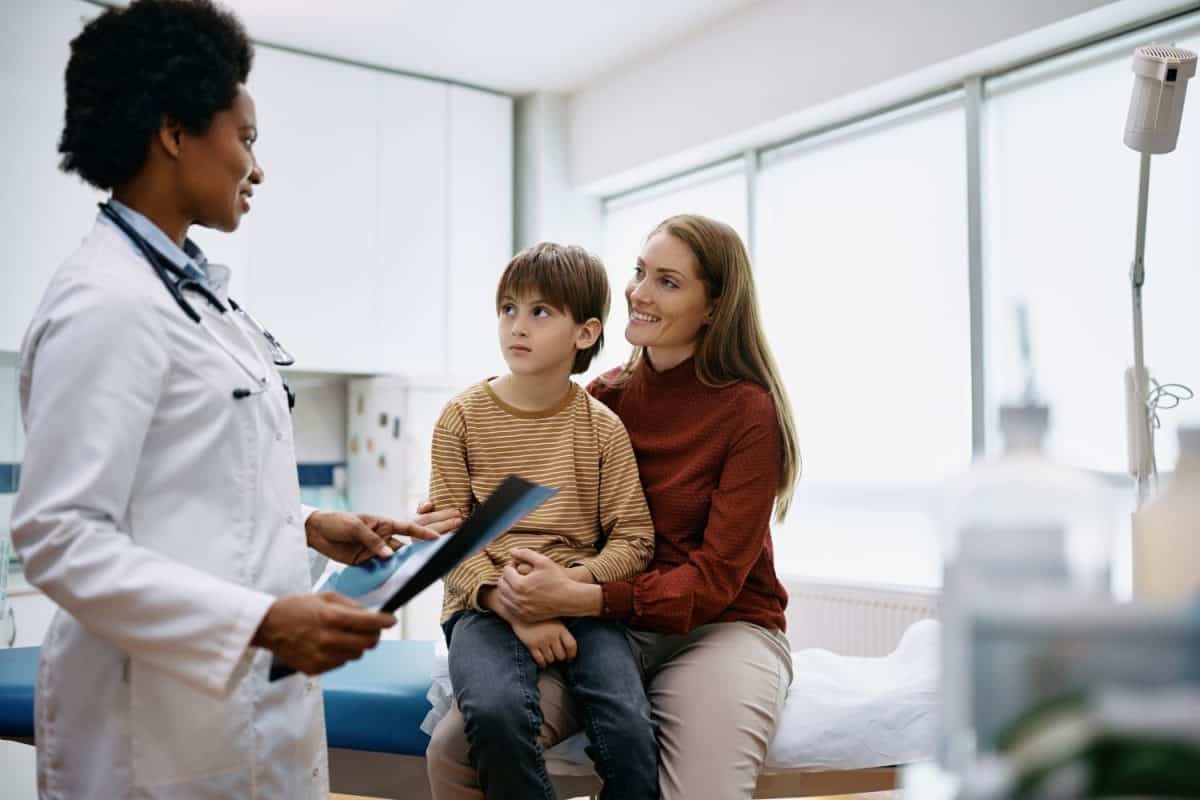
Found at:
[495, 686]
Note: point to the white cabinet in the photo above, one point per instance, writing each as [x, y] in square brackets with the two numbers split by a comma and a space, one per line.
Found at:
[32, 612]
[410, 300]
[481, 226]
[384, 220]
[390, 427]
[314, 236]
[373, 245]
[18, 768]
[46, 213]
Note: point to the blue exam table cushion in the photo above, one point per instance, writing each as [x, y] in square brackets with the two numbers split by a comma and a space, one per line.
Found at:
[18, 673]
[376, 703]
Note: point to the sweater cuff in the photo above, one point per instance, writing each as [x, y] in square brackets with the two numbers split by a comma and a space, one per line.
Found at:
[618, 600]
[473, 599]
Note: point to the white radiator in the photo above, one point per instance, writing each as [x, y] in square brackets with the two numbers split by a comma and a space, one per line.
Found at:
[854, 619]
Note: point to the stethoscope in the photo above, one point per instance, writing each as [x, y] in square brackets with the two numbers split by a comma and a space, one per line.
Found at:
[177, 282]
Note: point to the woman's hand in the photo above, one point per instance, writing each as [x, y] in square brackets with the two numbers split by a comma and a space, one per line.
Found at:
[315, 633]
[534, 589]
[351, 538]
[547, 642]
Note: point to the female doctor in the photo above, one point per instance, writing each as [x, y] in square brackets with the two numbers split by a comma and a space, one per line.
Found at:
[159, 505]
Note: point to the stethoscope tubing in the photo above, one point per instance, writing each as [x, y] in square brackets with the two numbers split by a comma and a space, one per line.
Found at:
[166, 271]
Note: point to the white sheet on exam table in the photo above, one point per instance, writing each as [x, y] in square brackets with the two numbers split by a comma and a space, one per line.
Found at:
[842, 712]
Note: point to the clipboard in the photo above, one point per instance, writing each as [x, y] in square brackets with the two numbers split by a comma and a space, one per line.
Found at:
[396, 580]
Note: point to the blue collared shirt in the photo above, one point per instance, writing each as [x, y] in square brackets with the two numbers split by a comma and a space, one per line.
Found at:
[190, 259]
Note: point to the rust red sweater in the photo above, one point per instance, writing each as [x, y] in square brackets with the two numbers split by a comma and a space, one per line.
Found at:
[709, 461]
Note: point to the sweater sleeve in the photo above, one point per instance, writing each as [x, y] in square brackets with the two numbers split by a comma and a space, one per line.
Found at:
[624, 515]
[450, 487]
[682, 598]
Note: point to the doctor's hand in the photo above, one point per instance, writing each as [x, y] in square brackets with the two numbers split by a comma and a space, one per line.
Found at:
[351, 538]
[315, 633]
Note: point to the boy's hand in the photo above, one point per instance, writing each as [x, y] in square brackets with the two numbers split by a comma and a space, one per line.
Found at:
[578, 574]
[547, 641]
[445, 521]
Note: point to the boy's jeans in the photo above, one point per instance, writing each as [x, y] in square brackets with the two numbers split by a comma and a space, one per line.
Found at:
[495, 686]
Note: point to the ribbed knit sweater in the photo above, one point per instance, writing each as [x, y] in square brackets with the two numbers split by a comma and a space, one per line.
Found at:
[710, 460]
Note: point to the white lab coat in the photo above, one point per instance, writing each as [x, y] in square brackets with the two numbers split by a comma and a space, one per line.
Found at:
[163, 516]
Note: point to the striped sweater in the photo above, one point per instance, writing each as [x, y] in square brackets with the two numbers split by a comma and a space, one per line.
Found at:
[598, 519]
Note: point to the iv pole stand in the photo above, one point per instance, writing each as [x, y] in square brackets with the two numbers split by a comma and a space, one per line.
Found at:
[1143, 443]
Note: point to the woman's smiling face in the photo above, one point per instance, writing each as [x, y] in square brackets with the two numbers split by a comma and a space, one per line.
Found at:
[668, 301]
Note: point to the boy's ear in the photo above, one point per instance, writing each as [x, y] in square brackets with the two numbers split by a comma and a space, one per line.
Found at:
[589, 332]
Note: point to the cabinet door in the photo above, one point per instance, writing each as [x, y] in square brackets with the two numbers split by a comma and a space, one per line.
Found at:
[46, 213]
[411, 283]
[481, 225]
[314, 219]
[32, 613]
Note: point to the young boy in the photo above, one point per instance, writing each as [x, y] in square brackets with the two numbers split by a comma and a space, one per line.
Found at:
[536, 422]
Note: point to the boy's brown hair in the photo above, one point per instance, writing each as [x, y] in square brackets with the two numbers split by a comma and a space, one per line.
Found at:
[567, 277]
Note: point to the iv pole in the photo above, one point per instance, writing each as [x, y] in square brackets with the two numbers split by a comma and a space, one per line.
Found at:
[1143, 440]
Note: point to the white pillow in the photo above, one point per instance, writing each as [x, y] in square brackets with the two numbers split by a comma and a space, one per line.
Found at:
[855, 713]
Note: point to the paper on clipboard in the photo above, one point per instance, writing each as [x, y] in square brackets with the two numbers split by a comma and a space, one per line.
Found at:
[387, 584]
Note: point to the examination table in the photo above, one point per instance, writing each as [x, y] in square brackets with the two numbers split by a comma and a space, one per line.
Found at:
[374, 708]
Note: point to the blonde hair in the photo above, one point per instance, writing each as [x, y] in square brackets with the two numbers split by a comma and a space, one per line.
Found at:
[732, 347]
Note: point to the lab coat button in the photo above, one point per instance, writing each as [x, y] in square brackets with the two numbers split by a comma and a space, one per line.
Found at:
[279, 436]
[291, 519]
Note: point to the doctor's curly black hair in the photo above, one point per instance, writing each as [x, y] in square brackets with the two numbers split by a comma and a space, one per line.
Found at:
[131, 68]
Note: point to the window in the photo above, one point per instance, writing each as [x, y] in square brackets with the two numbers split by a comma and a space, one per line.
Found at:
[862, 272]
[1060, 197]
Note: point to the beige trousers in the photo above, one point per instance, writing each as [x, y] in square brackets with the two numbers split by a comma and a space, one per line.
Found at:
[716, 692]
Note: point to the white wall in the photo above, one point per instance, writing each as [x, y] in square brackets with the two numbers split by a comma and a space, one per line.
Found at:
[774, 59]
[547, 209]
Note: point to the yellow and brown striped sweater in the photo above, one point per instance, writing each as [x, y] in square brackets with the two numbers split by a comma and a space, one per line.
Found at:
[598, 519]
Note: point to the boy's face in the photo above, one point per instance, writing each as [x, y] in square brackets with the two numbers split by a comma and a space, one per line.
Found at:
[537, 338]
